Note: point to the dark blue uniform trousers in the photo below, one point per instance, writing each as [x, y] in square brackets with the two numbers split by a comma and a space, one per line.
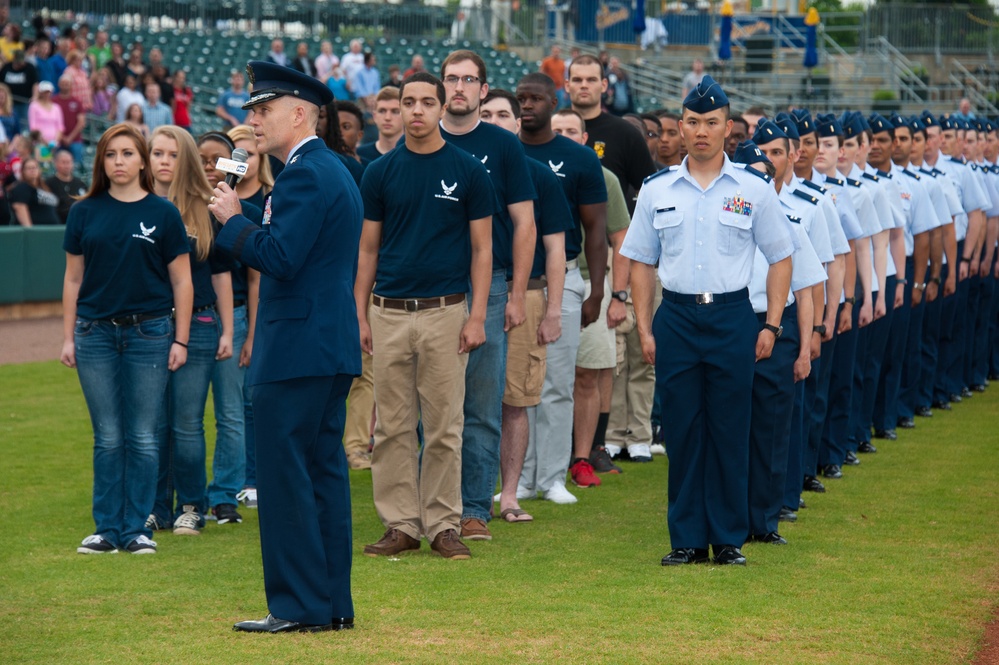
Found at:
[886, 400]
[951, 340]
[857, 393]
[837, 425]
[912, 366]
[817, 405]
[770, 428]
[704, 377]
[877, 349]
[793, 479]
[971, 316]
[304, 497]
[932, 312]
[980, 364]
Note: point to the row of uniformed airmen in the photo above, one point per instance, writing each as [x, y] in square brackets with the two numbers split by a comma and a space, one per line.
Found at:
[841, 294]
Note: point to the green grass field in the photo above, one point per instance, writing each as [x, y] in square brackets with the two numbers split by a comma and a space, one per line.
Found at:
[897, 563]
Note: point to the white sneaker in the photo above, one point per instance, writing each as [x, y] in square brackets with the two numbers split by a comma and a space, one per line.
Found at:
[640, 452]
[96, 545]
[612, 450]
[188, 523]
[522, 494]
[657, 449]
[559, 494]
[248, 496]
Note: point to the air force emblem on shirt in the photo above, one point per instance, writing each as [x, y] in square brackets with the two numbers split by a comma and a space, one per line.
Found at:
[737, 204]
[484, 160]
[448, 191]
[557, 168]
[145, 233]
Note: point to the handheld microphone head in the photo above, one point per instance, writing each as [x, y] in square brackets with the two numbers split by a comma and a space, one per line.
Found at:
[234, 168]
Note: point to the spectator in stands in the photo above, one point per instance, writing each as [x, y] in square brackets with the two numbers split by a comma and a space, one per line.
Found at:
[10, 41]
[20, 149]
[128, 95]
[74, 119]
[302, 61]
[351, 120]
[325, 61]
[353, 61]
[554, 67]
[277, 54]
[103, 92]
[124, 321]
[45, 116]
[183, 97]
[66, 186]
[63, 46]
[30, 200]
[692, 78]
[230, 106]
[22, 79]
[155, 111]
[99, 54]
[394, 76]
[79, 81]
[82, 45]
[43, 61]
[117, 65]
[619, 97]
[367, 82]
[135, 65]
[136, 117]
[415, 65]
[964, 111]
[10, 121]
[338, 83]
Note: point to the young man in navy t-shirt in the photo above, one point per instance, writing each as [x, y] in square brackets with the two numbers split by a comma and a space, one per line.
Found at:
[578, 170]
[514, 237]
[428, 209]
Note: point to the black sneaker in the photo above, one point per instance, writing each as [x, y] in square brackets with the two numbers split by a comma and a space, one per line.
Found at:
[142, 545]
[601, 461]
[851, 459]
[96, 545]
[225, 513]
[866, 447]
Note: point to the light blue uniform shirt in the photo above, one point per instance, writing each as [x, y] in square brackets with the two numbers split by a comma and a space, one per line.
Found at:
[705, 239]
[920, 214]
[868, 214]
[806, 268]
[854, 226]
[837, 238]
[988, 182]
[969, 190]
[805, 205]
[877, 188]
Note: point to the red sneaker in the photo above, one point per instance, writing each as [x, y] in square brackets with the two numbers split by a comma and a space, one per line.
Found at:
[583, 475]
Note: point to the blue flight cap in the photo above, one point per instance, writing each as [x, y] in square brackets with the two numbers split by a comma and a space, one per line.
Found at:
[916, 125]
[989, 127]
[788, 124]
[978, 125]
[853, 124]
[827, 125]
[706, 97]
[748, 152]
[898, 121]
[271, 81]
[767, 131]
[803, 118]
[946, 123]
[878, 123]
[929, 120]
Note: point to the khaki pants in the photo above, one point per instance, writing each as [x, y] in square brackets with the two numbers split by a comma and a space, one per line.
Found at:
[630, 420]
[360, 404]
[418, 372]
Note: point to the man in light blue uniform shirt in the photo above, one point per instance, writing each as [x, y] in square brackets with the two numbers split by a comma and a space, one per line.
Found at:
[702, 223]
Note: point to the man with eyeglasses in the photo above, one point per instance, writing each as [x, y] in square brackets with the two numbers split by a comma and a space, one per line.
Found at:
[514, 238]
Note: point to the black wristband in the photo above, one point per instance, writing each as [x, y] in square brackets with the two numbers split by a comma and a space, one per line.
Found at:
[181, 343]
[852, 300]
[964, 260]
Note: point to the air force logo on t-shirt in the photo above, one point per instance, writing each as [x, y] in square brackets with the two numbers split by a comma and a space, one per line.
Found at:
[556, 168]
[146, 232]
[448, 191]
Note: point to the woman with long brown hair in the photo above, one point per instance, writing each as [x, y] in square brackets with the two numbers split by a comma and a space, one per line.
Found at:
[127, 269]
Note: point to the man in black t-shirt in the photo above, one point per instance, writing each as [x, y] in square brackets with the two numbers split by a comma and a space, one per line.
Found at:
[64, 184]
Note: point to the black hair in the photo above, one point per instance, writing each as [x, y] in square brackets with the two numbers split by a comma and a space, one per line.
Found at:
[537, 78]
[424, 77]
[499, 93]
[332, 137]
[219, 137]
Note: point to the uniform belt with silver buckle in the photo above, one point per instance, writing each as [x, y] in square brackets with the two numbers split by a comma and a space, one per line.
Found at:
[418, 304]
[705, 298]
[571, 265]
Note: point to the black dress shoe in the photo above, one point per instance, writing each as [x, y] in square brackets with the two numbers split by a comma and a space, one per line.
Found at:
[906, 423]
[813, 484]
[684, 555]
[729, 555]
[978, 388]
[866, 447]
[787, 515]
[943, 406]
[271, 624]
[955, 398]
[924, 412]
[772, 538]
[886, 434]
[993, 377]
[966, 392]
[832, 471]
[801, 503]
[851, 459]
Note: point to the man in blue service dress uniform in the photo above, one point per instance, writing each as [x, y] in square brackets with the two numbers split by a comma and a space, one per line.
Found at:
[306, 352]
[703, 221]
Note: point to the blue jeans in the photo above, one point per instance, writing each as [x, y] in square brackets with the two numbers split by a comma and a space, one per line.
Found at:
[229, 464]
[182, 438]
[123, 373]
[485, 381]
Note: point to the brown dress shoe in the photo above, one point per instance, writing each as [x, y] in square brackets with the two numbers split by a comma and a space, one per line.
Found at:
[472, 528]
[392, 543]
[448, 545]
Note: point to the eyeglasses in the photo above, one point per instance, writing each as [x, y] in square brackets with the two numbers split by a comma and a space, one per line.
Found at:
[467, 80]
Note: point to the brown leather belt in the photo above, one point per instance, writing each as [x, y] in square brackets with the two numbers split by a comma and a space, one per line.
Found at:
[533, 284]
[418, 304]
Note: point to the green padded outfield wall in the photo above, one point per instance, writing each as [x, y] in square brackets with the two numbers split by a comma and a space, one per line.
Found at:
[32, 264]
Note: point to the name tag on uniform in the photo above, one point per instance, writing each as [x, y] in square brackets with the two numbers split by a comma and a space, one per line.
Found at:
[670, 209]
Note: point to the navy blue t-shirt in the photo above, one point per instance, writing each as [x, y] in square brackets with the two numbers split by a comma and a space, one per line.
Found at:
[425, 204]
[551, 212]
[578, 169]
[501, 154]
[355, 167]
[202, 271]
[126, 248]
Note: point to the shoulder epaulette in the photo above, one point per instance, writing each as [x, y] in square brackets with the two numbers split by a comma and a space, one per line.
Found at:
[937, 172]
[759, 174]
[793, 219]
[959, 160]
[994, 169]
[974, 167]
[883, 174]
[871, 177]
[927, 172]
[814, 200]
[853, 183]
[910, 174]
[659, 173]
[817, 187]
[835, 181]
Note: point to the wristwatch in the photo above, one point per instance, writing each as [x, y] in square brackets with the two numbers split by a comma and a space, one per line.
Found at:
[935, 280]
[965, 260]
[852, 300]
[819, 329]
[776, 330]
[620, 295]
[919, 286]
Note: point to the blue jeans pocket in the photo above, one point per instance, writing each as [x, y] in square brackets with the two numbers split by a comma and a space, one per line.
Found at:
[155, 328]
[83, 328]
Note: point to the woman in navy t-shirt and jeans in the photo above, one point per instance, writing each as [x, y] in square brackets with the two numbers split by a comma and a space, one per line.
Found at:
[127, 269]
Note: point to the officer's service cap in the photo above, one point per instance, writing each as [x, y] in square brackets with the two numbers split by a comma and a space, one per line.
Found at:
[827, 125]
[706, 97]
[271, 81]
[767, 131]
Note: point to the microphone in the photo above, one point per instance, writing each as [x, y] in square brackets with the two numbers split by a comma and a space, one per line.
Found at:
[234, 168]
